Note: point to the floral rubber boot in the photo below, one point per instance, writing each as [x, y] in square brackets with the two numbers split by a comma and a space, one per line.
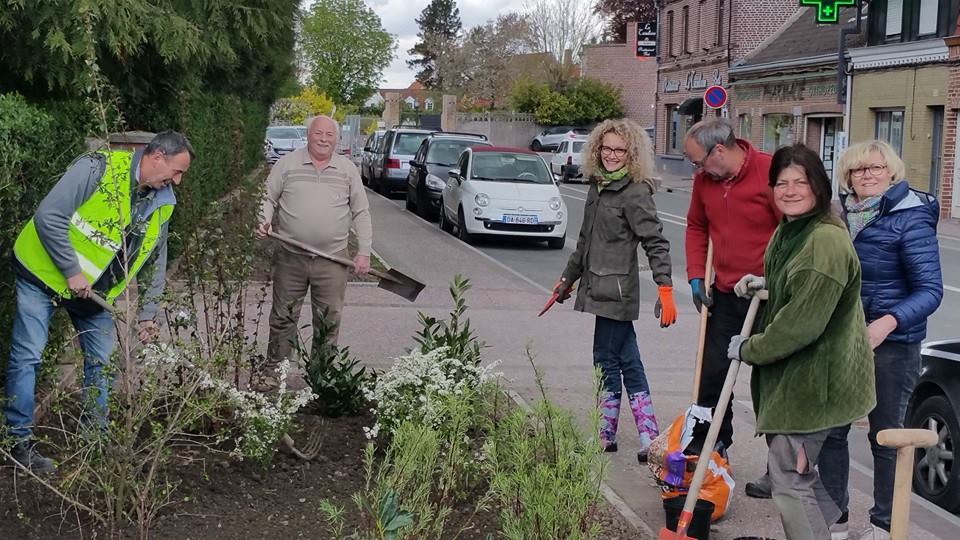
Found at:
[609, 405]
[642, 407]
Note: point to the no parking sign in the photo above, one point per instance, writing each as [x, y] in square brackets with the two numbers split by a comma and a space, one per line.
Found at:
[715, 96]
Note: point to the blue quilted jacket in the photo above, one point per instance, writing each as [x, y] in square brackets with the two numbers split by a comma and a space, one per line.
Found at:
[901, 261]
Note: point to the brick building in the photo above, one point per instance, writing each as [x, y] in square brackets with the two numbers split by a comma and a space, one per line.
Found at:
[899, 86]
[785, 91]
[698, 41]
[619, 65]
[950, 175]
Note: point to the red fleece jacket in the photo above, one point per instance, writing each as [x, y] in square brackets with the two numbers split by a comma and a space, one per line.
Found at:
[739, 214]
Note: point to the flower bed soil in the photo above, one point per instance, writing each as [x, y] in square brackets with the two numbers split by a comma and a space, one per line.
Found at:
[222, 498]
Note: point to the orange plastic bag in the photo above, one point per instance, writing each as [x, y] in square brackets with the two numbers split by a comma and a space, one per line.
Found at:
[673, 468]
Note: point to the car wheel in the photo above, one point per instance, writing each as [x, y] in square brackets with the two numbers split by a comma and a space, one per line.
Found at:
[935, 477]
[536, 146]
[563, 175]
[556, 243]
[445, 224]
[411, 206]
[462, 233]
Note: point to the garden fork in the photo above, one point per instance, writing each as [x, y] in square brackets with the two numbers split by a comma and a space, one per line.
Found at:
[310, 450]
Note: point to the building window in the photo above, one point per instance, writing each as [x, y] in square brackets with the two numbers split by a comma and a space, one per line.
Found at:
[777, 131]
[669, 36]
[745, 124]
[685, 21]
[889, 128]
[894, 18]
[674, 130]
[929, 10]
[720, 18]
[428, 104]
[908, 20]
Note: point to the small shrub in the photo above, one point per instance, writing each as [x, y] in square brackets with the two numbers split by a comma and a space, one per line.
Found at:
[333, 374]
[455, 333]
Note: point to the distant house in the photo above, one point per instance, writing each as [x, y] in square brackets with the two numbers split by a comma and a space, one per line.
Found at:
[414, 97]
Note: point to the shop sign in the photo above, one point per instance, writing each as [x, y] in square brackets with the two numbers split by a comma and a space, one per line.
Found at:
[647, 39]
[783, 92]
[695, 80]
[671, 86]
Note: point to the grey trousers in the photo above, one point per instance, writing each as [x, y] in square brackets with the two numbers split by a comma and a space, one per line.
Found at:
[806, 509]
[293, 276]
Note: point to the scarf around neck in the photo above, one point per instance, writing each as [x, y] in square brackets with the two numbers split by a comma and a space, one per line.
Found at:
[861, 212]
[607, 178]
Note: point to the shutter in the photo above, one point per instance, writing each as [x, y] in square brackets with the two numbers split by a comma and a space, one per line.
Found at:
[929, 9]
[894, 17]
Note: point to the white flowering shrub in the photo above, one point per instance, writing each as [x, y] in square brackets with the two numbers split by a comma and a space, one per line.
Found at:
[264, 419]
[418, 385]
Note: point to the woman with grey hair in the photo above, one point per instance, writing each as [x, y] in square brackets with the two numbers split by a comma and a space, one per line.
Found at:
[619, 215]
[894, 231]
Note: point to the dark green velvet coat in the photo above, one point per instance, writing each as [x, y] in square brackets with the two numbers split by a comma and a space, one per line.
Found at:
[813, 367]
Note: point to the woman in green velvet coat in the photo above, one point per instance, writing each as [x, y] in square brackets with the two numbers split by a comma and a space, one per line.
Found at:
[812, 364]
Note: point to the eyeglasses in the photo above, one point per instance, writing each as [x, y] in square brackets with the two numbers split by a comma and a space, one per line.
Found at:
[700, 164]
[875, 170]
[615, 152]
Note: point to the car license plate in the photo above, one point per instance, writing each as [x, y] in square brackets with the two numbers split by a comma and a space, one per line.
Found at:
[520, 219]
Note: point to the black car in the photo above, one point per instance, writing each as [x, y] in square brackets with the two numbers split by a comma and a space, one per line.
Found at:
[935, 405]
[429, 167]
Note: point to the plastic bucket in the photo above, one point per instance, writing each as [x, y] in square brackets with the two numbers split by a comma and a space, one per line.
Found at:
[699, 525]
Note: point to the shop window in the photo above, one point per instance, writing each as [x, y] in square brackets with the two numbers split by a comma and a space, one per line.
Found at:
[889, 128]
[674, 128]
[745, 126]
[777, 131]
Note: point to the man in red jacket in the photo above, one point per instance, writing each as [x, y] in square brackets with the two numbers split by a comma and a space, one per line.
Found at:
[732, 204]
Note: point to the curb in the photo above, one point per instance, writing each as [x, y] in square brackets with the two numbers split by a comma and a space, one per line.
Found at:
[608, 493]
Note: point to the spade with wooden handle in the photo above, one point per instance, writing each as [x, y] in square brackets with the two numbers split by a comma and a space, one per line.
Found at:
[905, 441]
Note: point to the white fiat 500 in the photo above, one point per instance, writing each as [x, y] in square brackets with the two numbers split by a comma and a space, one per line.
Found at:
[503, 191]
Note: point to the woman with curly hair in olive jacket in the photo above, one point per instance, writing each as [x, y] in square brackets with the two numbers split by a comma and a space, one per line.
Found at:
[619, 216]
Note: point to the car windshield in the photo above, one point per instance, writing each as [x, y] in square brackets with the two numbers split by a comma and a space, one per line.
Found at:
[577, 146]
[510, 167]
[447, 152]
[283, 133]
[408, 143]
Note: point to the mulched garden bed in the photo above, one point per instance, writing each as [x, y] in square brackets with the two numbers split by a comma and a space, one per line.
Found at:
[222, 498]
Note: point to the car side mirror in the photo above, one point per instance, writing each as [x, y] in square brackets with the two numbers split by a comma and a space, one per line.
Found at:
[454, 174]
[366, 148]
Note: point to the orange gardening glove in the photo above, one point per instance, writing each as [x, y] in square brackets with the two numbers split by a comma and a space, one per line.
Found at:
[665, 309]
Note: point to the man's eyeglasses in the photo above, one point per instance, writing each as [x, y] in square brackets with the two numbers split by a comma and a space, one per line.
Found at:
[615, 152]
[699, 164]
[875, 170]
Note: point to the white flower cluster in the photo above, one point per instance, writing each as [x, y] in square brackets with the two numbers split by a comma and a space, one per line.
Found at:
[161, 356]
[417, 385]
[265, 418]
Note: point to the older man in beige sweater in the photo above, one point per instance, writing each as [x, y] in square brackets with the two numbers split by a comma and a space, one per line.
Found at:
[313, 195]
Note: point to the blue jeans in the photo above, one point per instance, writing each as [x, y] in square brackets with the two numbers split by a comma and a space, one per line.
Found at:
[897, 368]
[30, 328]
[616, 353]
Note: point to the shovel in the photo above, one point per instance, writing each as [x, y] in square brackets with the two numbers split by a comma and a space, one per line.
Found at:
[686, 516]
[391, 280]
[704, 315]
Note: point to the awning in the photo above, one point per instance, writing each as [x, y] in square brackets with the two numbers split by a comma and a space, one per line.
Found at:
[691, 107]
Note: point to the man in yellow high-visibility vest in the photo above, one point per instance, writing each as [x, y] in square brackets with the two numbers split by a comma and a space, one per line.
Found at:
[104, 222]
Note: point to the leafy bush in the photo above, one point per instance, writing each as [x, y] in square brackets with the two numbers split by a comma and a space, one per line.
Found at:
[296, 109]
[454, 334]
[526, 95]
[332, 374]
[585, 101]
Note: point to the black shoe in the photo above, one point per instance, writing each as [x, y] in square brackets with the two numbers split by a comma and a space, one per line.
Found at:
[26, 455]
[612, 447]
[759, 488]
[642, 457]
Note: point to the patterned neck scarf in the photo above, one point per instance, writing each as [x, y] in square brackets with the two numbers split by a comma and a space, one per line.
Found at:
[860, 213]
[606, 178]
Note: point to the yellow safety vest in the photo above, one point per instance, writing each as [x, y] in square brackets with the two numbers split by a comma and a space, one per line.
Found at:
[96, 232]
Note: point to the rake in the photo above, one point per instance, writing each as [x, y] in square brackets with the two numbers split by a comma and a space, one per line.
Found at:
[310, 450]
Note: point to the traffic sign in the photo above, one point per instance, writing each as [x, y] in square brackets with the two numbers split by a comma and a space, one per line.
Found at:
[715, 96]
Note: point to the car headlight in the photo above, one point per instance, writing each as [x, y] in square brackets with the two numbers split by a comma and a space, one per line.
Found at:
[434, 182]
[555, 203]
[481, 199]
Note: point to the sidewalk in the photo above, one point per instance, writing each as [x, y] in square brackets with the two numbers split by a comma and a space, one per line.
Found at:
[503, 310]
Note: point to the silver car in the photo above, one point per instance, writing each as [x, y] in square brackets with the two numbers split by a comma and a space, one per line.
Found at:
[281, 140]
[391, 161]
[565, 162]
[549, 139]
[370, 148]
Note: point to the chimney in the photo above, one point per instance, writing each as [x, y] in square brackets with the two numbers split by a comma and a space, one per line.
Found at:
[632, 35]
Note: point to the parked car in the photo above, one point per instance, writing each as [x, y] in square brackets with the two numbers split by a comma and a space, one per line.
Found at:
[935, 405]
[565, 162]
[548, 139]
[503, 191]
[429, 167]
[369, 151]
[391, 162]
[281, 140]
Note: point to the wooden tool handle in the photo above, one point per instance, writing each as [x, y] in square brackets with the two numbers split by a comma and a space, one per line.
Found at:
[98, 300]
[901, 438]
[340, 260]
[704, 315]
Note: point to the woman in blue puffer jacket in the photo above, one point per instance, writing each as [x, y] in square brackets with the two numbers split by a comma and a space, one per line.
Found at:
[894, 231]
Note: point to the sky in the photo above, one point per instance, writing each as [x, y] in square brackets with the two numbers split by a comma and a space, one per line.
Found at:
[398, 18]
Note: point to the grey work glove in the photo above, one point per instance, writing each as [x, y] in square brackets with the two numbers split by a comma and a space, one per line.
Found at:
[749, 285]
[736, 342]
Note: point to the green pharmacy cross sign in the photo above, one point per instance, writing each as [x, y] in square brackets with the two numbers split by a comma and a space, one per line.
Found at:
[827, 10]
